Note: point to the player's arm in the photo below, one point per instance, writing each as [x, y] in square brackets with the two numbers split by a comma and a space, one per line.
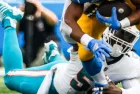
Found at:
[46, 13]
[72, 33]
[134, 18]
[71, 16]
[113, 21]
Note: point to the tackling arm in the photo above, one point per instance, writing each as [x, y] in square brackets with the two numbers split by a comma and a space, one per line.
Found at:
[72, 33]
[73, 13]
[69, 26]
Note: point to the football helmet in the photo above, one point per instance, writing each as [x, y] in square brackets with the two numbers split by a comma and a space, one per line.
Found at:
[121, 41]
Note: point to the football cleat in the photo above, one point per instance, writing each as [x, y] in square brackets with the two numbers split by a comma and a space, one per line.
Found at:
[10, 12]
[51, 49]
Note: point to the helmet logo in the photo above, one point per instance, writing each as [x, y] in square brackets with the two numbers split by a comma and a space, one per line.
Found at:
[121, 10]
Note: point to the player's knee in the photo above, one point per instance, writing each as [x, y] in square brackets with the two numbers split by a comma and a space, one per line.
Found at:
[30, 90]
[7, 83]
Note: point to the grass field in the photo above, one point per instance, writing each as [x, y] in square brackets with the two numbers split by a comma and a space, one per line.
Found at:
[4, 89]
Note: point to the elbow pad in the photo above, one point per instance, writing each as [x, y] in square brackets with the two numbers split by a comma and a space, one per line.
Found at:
[66, 31]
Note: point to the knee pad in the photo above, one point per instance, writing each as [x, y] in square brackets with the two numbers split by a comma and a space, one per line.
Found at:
[66, 31]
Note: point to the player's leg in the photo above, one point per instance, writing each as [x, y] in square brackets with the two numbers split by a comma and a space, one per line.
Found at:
[11, 53]
[12, 56]
[52, 57]
[21, 79]
[95, 69]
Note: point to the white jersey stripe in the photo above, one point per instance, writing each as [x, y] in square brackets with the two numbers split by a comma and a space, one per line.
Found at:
[27, 73]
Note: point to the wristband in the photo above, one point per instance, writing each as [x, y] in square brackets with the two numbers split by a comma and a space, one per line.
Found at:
[125, 22]
[85, 39]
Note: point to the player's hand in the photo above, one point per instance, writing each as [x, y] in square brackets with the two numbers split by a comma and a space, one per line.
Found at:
[113, 21]
[37, 3]
[100, 49]
[111, 89]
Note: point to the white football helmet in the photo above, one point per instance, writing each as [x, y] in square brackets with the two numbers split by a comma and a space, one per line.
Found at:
[121, 41]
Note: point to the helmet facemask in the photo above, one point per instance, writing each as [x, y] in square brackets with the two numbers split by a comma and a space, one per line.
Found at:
[121, 41]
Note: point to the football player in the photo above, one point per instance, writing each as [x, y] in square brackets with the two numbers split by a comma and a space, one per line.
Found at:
[80, 25]
[59, 76]
[123, 65]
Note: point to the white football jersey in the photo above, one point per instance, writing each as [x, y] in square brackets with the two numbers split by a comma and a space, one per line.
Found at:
[128, 67]
[69, 78]
[66, 79]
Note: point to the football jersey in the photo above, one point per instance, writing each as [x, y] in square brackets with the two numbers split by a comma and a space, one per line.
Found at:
[69, 78]
[128, 67]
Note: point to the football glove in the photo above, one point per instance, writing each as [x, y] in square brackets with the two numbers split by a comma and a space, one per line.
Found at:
[112, 21]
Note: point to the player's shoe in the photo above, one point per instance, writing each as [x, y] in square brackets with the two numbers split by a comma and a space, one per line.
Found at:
[9, 15]
[51, 49]
[8, 11]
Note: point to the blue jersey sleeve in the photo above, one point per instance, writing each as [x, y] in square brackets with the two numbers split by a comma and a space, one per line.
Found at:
[80, 1]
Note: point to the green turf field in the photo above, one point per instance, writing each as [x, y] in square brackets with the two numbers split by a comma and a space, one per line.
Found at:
[4, 89]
